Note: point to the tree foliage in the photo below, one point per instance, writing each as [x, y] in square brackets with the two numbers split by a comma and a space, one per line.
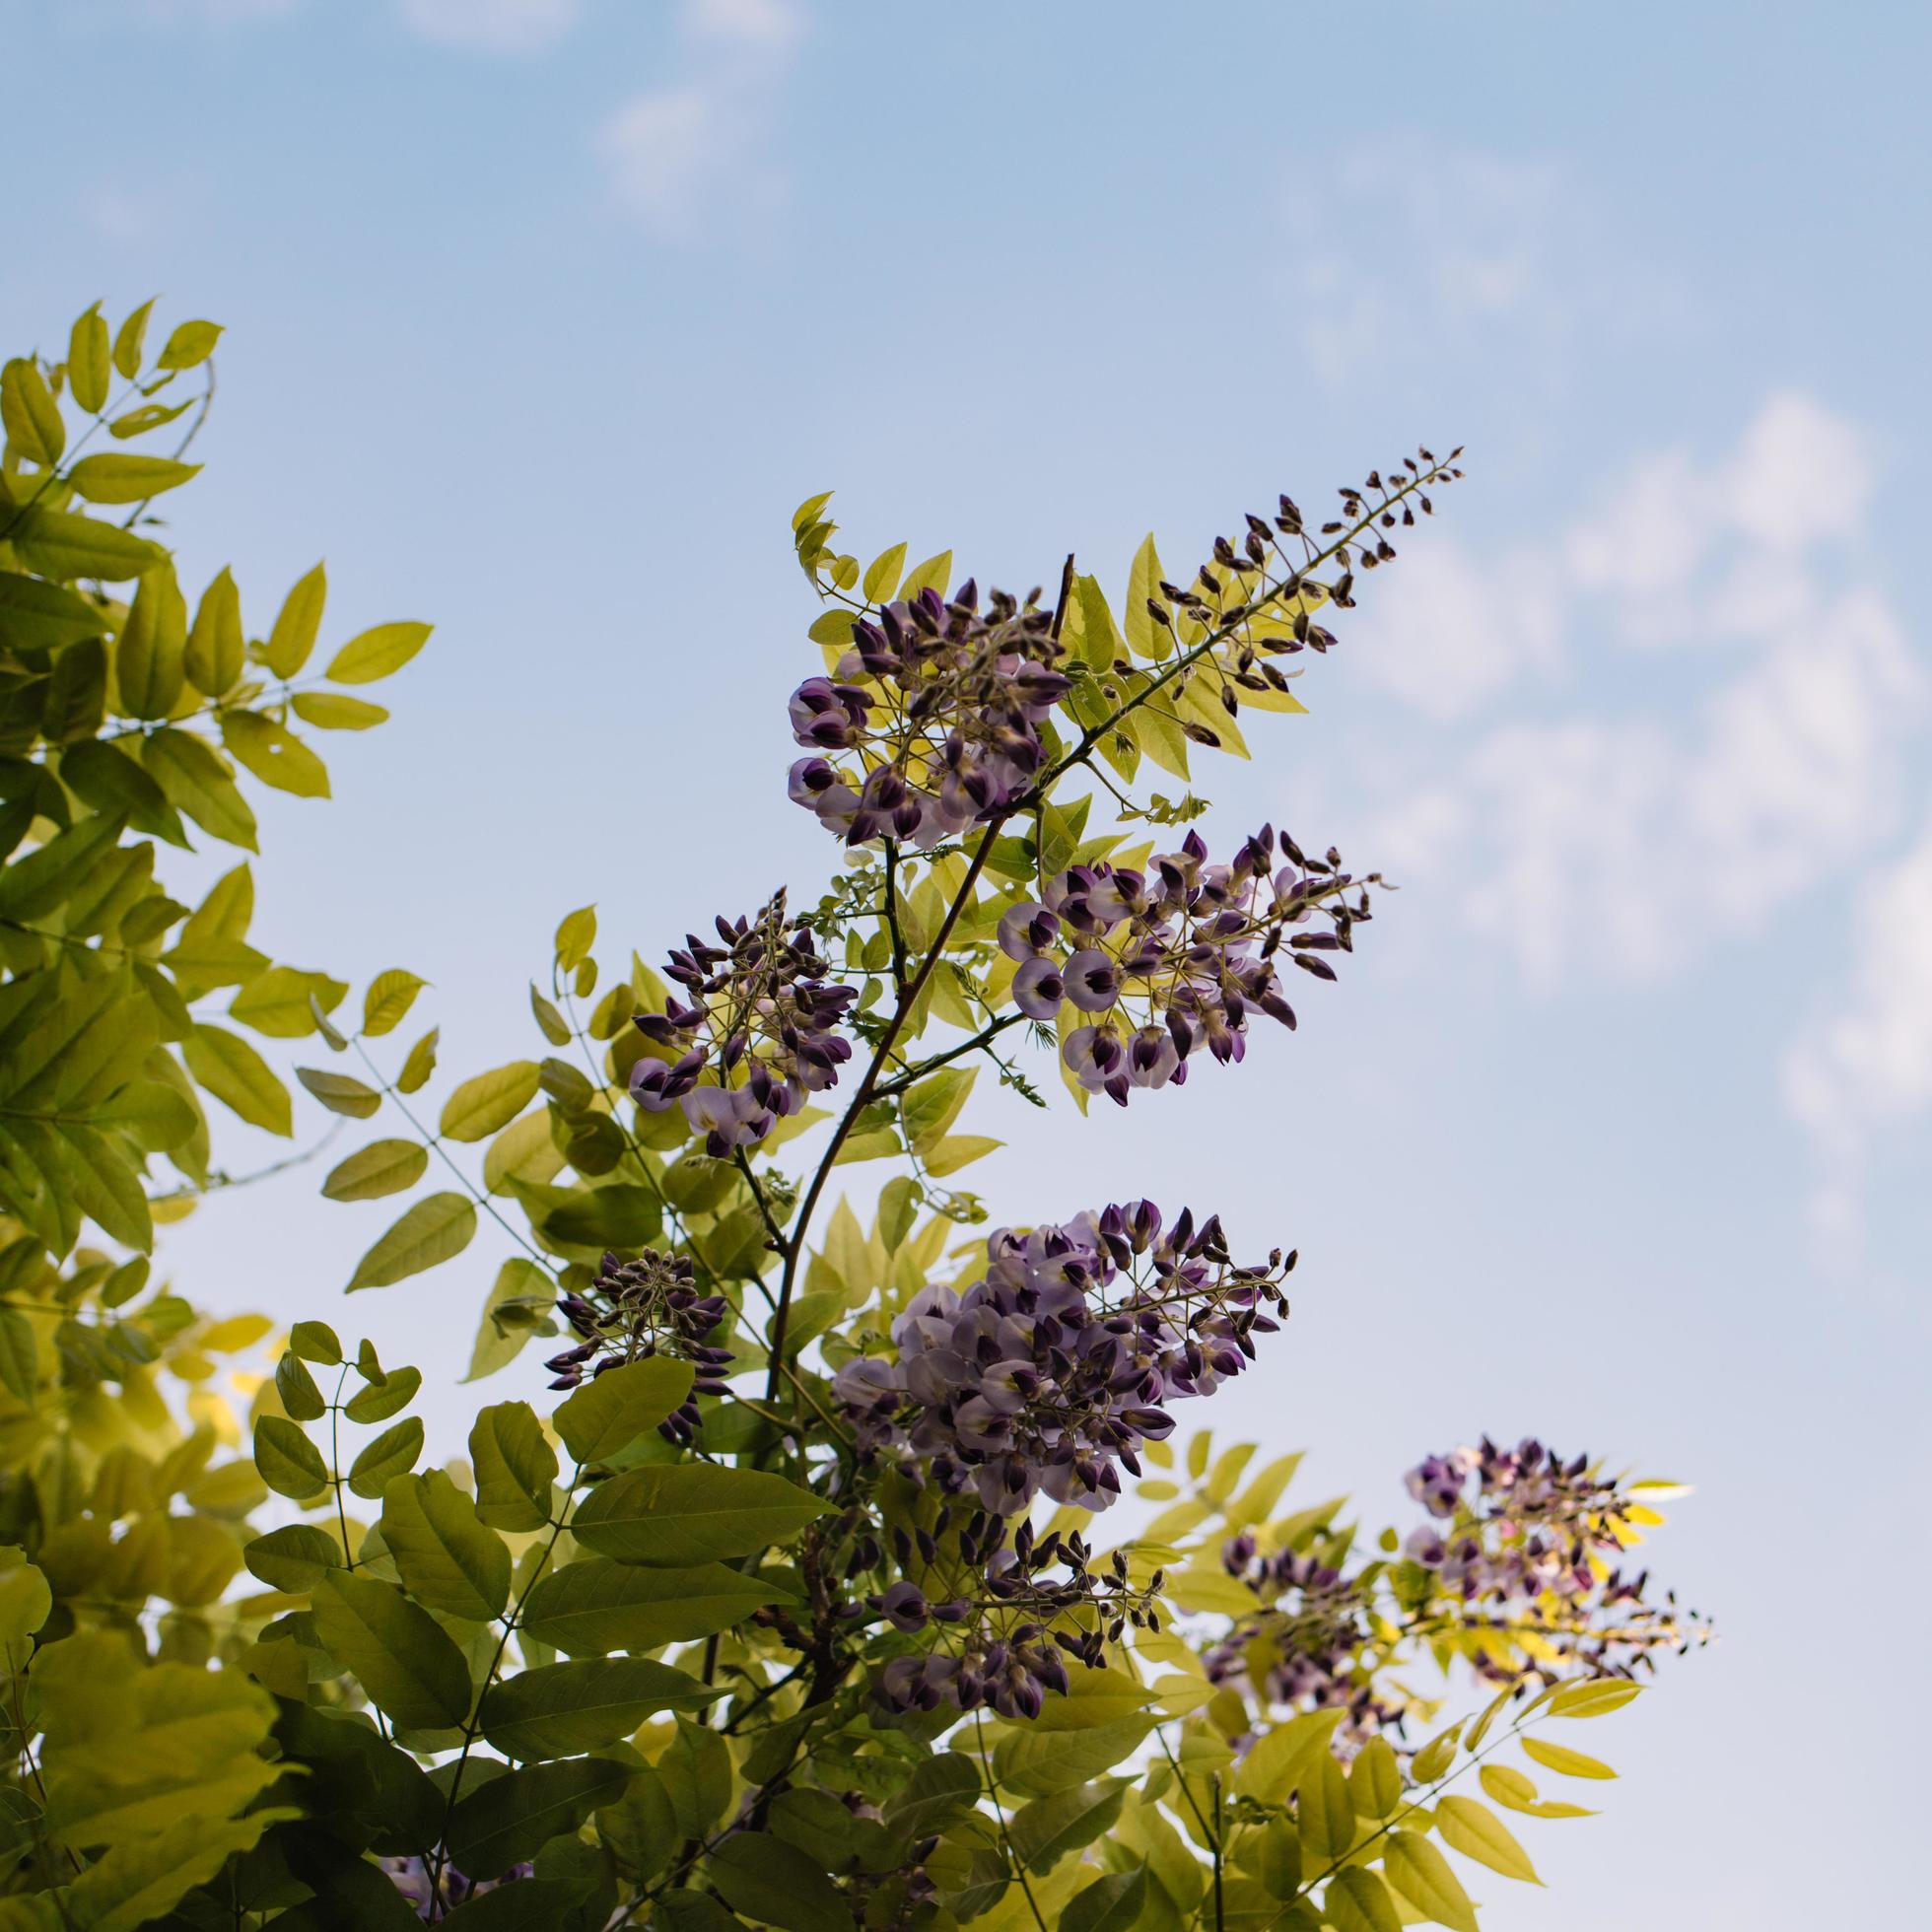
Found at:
[797, 1609]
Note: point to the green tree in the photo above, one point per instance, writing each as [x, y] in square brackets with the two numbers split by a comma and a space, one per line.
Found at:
[797, 1609]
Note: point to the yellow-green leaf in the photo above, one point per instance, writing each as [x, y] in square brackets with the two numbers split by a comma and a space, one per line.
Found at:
[225, 1065]
[1571, 1763]
[31, 414]
[377, 653]
[274, 754]
[330, 710]
[1595, 1697]
[129, 339]
[1478, 1833]
[217, 649]
[1423, 1877]
[122, 478]
[296, 623]
[89, 368]
[447, 1561]
[610, 1412]
[276, 1002]
[480, 1106]
[419, 1063]
[189, 344]
[1358, 1902]
[433, 1230]
[340, 1093]
[389, 1000]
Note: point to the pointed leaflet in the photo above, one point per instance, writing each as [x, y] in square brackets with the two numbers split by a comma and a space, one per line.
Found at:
[377, 653]
[515, 1466]
[387, 1001]
[274, 754]
[122, 478]
[559, 1709]
[138, 1881]
[1323, 1811]
[521, 1289]
[480, 1106]
[1423, 1877]
[1571, 1763]
[1358, 1902]
[1046, 1830]
[1595, 1697]
[290, 1464]
[446, 1559]
[394, 1453]
[692, 1513]
[1478, 1833]
[591, 1607]
[217, 648]
[383, 1167]
[610, 1412]
[148, 654]
[294, 635]
[777, 1885]
[511, 1819]
[433, 1230]
[199, 784]
[409, 1667]
[1112, 1903]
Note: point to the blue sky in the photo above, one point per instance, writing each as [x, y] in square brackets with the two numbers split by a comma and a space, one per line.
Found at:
[544, 315]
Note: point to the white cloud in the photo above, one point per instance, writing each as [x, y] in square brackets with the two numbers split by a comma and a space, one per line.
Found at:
[1867, 1064]
[1641, 825]
[492, 25]
[675, 154]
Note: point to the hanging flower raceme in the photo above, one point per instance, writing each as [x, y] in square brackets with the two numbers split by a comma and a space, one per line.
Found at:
[760, 1031]
[1170, 962]
[1050, 1370]
[930, 721]
[650, 1306]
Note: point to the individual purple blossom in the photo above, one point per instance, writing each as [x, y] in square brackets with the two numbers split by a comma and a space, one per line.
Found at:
[433, 1897]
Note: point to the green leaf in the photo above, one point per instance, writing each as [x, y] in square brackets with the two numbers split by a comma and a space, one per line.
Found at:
[30, 413]
[296, 624]
[340, 1093]
[480, 1106]
[190, 344]
[1358, 1902]
[1112, 1903]
[696, 1769]
[129, 339]
[381, 1400]
[147, 416]
[932, 1106]
[1478, 1833]
[383, 1167]
[521, 1288]
[511, 1819]
[37, 616]
[1375, 1780]
[217, 649]
[777, 1885]
[198, 784]
[419, 1063]
[446, 1559]
[315, 1341]
[330, 710]
[515, 1466]
[104, 777]
[934, 574]
[1423, 1877]
[20, 1355]
[1046, 1830]
[389, 1000]
[591, 1607]
[681, 1515]
[1596, 1698]
[378, 652]
[122, 478]
[1325, 1813]
[76, 696]
[274, 754]
[64, 546]
[1571, 1763]
[615, 1215]
[882, 575]
[392, 1454]
[611, 1410]
[399, 1651]
[301, 1398]
[140, 1880]
[576, 936]
[275, 1003]
[558, 1709]
[432, 1231]
[90, 368]
[295, 1557]
[1436, 1756]
[290, 1464]
[1273, 1766]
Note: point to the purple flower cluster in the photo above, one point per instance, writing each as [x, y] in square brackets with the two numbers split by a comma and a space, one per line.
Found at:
[650, 1306]
[1307, 1650]
[759, 1032]
[1049, 1370]
[999, 1647]
[1528, 1529]
[930, 721]
[1170, 962]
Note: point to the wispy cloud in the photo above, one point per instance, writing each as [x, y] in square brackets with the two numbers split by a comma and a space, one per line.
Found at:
[1631, 836]
[504, 27]
[676, 154]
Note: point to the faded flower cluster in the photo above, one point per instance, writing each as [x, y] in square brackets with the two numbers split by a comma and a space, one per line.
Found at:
[760, 1031]
[930, 721]
[650, 1306]
[1049, 1370]
[1171, 961]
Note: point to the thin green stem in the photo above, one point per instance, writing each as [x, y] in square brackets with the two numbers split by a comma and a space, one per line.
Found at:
[1000, 1816]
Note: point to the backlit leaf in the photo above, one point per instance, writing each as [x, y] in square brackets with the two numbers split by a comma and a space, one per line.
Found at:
[612, 1409]
[1478, 1833]
[480, 1106]
[293, 637]
[689, 1513]
[377, 653]
[383, 1167]
[558, 1709]
[401, 1654]
[591, 1607]
[447, 1559]
[433, 1230]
